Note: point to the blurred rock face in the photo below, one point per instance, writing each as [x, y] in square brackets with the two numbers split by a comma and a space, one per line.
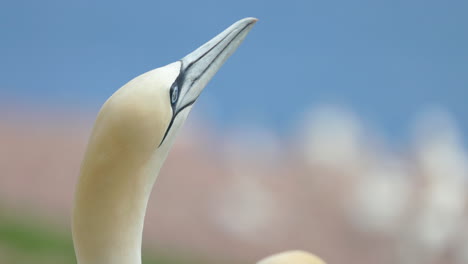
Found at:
[245, 194]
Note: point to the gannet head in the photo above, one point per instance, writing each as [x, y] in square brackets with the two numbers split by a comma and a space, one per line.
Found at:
[146, 113]
[130, 140]
[292, 257]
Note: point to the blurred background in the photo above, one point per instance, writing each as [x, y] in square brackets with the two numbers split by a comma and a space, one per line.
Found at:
[338, 127]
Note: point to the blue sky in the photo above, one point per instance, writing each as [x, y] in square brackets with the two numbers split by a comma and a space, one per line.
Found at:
[386, 60]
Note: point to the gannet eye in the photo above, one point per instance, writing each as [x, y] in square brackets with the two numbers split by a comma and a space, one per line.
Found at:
[174, 94]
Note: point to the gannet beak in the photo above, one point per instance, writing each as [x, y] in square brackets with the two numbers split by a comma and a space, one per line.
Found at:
[201, 65]
[198, 67]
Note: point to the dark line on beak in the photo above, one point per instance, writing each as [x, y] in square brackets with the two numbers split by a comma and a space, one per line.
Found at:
[227, 45]
[208, 51]
[181, 77]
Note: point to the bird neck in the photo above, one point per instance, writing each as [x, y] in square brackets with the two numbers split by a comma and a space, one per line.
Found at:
[111, 199]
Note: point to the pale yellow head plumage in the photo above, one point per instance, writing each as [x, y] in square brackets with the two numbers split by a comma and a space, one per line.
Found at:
[292, 257]
[135, 117]
[130, 140]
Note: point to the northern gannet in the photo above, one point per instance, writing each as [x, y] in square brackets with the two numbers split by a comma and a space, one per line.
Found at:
[131, 138]
[292, 257]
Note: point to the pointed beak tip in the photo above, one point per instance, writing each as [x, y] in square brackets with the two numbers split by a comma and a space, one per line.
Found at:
[252, 20]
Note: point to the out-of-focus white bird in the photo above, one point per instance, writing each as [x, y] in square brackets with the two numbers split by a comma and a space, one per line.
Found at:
[444, 166]
[130, 141]
[332, 138]
[461, 246]
[381, 196]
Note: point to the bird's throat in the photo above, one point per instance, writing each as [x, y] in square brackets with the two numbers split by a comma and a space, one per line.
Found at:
[110, 203]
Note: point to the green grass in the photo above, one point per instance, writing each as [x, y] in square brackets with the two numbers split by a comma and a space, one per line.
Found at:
[27, 240]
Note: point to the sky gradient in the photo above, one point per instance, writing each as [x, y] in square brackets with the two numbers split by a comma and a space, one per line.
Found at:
[385, 60]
